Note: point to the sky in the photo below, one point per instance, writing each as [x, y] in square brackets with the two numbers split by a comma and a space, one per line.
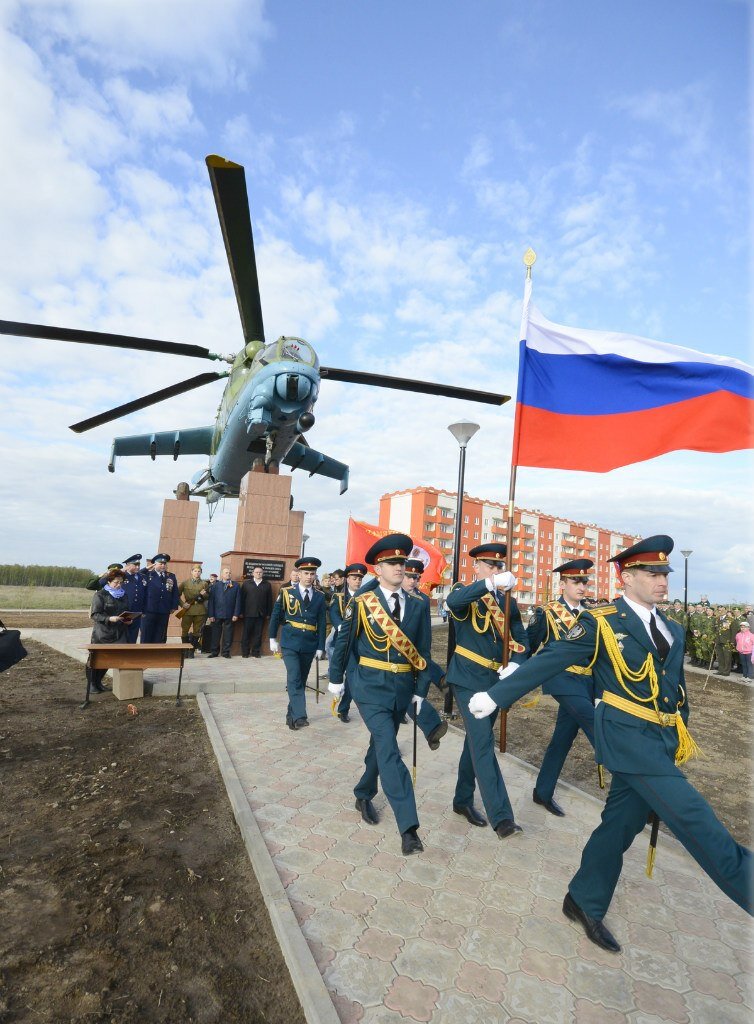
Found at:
[400, 159]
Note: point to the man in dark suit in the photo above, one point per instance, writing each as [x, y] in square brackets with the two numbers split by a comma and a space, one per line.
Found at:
[256, 606]
[385, 645]
[299, 613]
[636, 656]
[572, 689]
[223, 609]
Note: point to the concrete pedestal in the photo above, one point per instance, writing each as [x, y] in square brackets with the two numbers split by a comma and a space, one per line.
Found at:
[266, 529]
[128, 683]
[178, 539]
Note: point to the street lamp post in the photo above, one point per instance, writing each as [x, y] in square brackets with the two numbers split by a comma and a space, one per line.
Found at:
[463, 431]
[304, 539]
[686, 580]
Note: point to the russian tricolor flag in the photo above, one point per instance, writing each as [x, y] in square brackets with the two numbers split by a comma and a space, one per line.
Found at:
[595, 401]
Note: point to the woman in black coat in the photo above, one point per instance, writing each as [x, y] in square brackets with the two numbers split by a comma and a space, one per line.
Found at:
[109, 607]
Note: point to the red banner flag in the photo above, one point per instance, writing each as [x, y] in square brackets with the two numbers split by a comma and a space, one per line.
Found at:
[361, 536]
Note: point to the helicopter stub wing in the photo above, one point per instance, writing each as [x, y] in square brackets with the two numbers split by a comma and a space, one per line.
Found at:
[301, 456]
[193, 441]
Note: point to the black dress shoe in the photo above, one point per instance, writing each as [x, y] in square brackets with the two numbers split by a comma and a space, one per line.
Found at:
[368, 813]
[410, 842]
[344, 716]
[507, 827]
[436, 735]
[226, 655]
[97, 688]
[549, 805]
[244, 655]
[471, 814]
[213, 655]
[301, 723]
[595, 930]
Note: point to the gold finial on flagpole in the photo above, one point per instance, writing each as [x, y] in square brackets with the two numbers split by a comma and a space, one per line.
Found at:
[530, 258]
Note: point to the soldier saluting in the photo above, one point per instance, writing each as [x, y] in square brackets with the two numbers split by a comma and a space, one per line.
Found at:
[573, 689]
[386, 651]
[636, 656]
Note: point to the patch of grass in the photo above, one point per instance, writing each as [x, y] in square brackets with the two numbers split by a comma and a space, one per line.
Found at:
[45, 597]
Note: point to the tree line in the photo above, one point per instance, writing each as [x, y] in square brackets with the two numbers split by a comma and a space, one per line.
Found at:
[44, 576]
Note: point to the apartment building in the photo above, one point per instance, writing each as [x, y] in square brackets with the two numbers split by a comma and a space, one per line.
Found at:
[540, 541]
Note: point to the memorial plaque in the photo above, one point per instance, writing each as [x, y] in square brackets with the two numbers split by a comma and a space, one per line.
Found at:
[271, 568]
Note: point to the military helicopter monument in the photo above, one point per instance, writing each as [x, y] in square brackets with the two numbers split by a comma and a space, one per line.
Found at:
[268, 402]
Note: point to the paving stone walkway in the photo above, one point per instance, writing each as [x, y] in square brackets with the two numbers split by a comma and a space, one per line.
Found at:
[471, 931]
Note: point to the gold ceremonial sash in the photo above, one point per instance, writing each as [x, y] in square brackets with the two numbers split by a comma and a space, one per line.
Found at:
[394, 635]
[498, 617]
[560, 619]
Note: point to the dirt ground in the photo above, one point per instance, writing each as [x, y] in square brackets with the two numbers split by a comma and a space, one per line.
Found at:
[721, 723]
[126, 893]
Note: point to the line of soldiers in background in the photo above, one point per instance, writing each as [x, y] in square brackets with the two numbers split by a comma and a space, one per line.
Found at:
[716, 635]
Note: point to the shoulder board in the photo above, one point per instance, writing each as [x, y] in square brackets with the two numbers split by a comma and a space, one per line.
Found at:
[605, 609]
[417, 597]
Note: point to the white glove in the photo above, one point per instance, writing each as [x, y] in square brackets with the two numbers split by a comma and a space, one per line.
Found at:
[318, 655]
[274, 646]
[416, 699]
[481, 705]
[509, 669]
[501, 581]
[336, 689]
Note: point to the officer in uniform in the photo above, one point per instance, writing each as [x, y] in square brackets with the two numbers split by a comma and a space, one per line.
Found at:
[355, 573]
[160, 600]
[194, 595]
[479, 619]
[385, 646]
[135, 586]
[300, 611]
[636, 656]
[428, 720]
[572, 689]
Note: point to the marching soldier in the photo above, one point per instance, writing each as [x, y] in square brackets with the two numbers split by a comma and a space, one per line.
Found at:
[160, 600]
[572, 689]
[355, 573]
[193, 594]
[386, 649]
[135, 586]
[636, 656]
[479, 621]
[300, 611]
[428, 720]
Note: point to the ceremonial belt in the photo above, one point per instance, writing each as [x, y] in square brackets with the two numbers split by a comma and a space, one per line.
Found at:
[385, 666]
[647, 714]
[498, 617]
[478, 658]
[301, 625]
[395, 636]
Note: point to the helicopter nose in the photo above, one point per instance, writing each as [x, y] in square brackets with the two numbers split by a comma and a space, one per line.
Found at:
[293, 387]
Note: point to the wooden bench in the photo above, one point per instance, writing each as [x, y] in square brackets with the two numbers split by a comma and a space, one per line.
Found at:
[128, 662]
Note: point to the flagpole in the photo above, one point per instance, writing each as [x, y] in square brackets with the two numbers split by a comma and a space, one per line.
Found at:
[530, 258]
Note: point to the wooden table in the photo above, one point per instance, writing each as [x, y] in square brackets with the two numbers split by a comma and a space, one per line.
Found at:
[128, 662]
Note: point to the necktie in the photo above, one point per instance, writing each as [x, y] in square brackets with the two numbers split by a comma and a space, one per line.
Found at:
[307, 599]
[663, 647]
[396, 608]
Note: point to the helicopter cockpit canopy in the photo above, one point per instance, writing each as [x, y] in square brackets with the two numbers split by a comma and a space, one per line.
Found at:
[286, 349]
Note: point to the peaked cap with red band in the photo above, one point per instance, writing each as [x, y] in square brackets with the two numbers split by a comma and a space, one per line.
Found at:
[490, 552]
[396, 547]
[307, 563]
[576, 568]
[650, 554]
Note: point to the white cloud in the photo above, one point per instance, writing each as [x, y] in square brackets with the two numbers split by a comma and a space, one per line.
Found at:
[159, 113]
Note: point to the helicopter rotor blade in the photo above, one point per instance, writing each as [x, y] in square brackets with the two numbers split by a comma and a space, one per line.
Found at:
[141, 403]
[232, 201]
[403, 384]
[171, 348]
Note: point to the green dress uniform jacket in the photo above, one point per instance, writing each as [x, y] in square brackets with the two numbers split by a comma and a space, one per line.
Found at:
[476, 632]
[190, 590]
[641, 754]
